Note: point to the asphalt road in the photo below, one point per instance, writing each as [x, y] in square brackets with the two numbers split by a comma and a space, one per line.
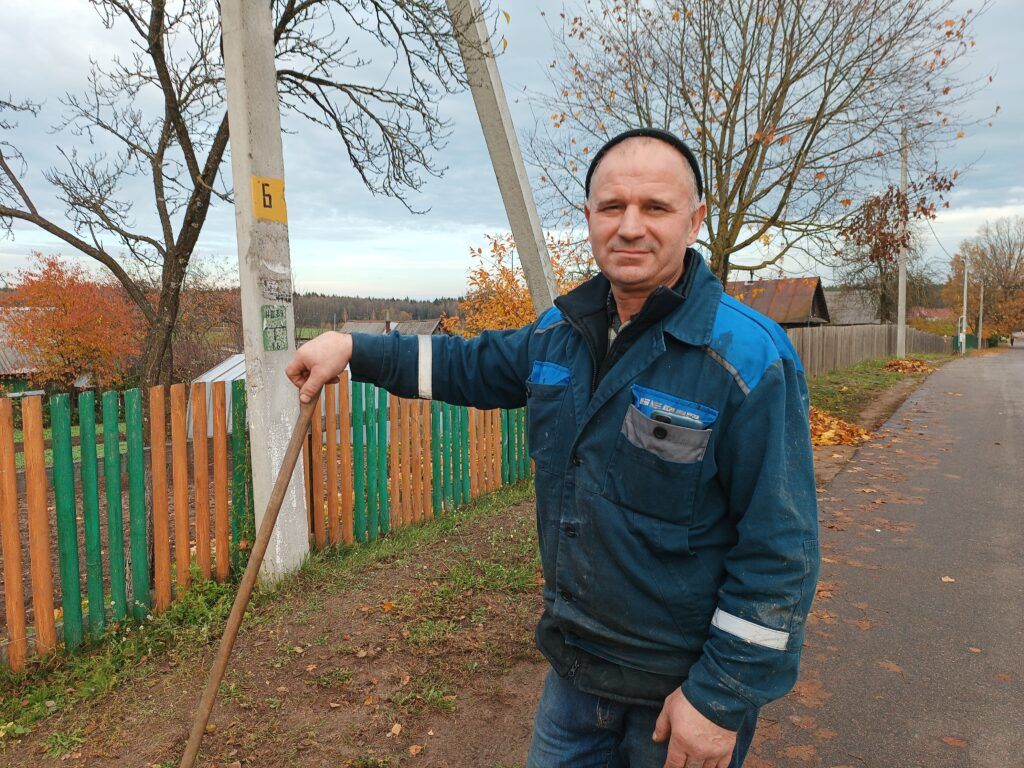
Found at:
[914, 652]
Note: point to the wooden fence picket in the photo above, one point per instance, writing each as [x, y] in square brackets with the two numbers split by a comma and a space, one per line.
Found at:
[158, 489]
[10, 543]
[201, 477]
[179, 481]
[37, 496]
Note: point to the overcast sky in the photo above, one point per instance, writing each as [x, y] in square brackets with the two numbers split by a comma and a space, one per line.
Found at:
[343, 240]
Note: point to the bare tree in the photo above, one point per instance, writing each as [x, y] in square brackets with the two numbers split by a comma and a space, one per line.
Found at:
[995, 257]
[159, 114]
[795, 106]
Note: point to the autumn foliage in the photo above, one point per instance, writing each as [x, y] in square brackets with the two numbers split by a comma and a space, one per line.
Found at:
[826, 429]
[908, 366]
[70, 324]
[498, 297]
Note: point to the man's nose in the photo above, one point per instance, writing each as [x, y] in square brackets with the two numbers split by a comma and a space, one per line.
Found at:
[631, 225]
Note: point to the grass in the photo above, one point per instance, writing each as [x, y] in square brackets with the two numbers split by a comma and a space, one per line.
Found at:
[60, 681]
[59, 744]
[76, 450]
[427, 692]
[844, 393]
[130, 652]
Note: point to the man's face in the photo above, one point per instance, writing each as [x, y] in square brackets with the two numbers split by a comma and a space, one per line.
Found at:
[640, 217]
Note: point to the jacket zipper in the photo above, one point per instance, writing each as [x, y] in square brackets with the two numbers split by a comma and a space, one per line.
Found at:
[590, 348]
[572, 670]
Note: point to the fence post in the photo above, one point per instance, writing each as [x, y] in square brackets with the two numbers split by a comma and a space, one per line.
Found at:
[91, 513]
[158, 494]
[10, 542]
[243, 527]
[201, 476]
[179, 481]
[449, 498]
[38, 524]
[115, 510]
[358, 462]
[372, 509]
[221, 522]
[435, 456]
[466, 468]
[67, 528]
[384, 505]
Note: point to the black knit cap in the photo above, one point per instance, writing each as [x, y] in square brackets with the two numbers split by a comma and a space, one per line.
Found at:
[669, 138]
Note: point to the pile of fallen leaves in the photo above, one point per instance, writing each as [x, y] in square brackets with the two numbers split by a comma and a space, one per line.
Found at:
[908, 366]
[826, 429]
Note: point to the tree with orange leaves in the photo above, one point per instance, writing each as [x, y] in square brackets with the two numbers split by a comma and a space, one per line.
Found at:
[69, 324]
[498, 297]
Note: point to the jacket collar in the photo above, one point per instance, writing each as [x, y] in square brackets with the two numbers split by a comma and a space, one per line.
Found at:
[688, 310]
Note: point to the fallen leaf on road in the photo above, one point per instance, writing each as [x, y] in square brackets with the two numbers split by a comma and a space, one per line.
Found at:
[972, 649]
[396, 729]
[415, 749]
[948, 579]
[1002, 678]
[953, 741]
[805, 752]
[889, 666]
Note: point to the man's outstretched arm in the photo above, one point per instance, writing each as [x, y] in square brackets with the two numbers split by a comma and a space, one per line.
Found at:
[488, 371]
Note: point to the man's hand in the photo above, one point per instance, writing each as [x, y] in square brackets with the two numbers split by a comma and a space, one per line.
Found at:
[318, 361]
[692, 737]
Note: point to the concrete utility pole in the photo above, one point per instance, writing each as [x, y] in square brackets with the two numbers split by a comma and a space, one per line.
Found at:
[963, 315]
[901, 306]
[506, 158]
[264, 266]
[981, 315]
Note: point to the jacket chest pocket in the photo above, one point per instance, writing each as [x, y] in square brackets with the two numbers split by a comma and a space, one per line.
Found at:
[655, 468]
[547, 397]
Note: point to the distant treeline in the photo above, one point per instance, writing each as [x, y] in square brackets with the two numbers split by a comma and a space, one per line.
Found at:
[318, 310]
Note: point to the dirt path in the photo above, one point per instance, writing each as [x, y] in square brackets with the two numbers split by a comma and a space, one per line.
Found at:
[830, 459]
[429, 651]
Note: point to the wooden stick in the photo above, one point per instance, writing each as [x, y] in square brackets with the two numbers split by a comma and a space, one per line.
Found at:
[245, 588]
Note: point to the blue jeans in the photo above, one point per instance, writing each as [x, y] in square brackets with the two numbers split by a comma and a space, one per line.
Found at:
[573, 729]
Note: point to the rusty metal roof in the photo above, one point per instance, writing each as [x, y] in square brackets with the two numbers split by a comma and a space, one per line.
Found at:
[787, 301]
[13, 361]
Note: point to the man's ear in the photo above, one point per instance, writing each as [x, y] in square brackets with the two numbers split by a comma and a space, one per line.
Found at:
[696, 222]
[586, 211]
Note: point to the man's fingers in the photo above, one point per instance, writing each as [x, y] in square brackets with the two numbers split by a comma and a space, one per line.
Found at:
[662, 729]
[677, 758]
[315, 381]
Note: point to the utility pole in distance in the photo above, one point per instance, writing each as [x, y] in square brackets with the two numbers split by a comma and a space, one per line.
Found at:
[981, 315]
[264, 268]
[470, 29]
[901, 304]
[963, 315]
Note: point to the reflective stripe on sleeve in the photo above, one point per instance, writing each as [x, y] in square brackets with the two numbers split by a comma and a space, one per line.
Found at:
[749, 631]
[425, 368]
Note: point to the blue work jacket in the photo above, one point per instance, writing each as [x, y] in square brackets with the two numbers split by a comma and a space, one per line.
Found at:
[676, 505]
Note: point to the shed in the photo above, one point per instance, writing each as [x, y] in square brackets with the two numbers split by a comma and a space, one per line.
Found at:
[792, 302]
[852, 306]
[227, 371]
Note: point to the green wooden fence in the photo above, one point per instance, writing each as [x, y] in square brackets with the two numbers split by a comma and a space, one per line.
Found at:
[448, 454]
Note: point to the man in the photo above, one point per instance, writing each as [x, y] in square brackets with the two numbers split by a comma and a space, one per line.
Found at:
[676, 507]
